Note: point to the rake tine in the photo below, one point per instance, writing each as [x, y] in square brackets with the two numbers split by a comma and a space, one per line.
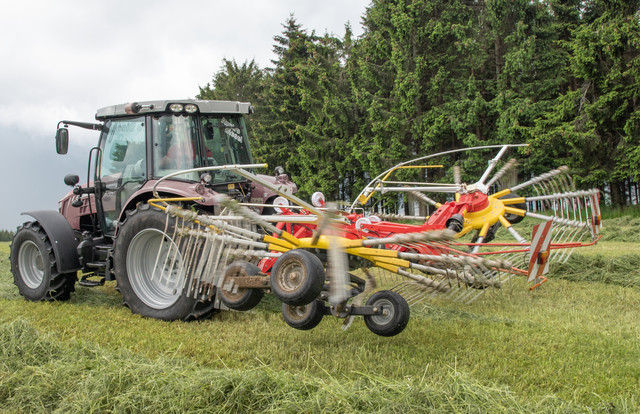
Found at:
[508, 166]
[470, 301]
[193, 245]
[538, 179]
[464, 293]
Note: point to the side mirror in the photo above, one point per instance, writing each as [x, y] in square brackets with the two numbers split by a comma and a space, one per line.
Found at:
[71, 179]
[62, 140]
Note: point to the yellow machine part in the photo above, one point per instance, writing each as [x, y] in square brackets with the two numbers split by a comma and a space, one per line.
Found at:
[492, 214]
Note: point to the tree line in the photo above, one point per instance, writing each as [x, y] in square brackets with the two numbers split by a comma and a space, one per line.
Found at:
[432, 75]
[6, 235]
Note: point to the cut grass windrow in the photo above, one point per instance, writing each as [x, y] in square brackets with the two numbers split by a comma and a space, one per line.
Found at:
[40, 374]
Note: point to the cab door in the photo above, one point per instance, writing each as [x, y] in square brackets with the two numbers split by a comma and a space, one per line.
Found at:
[122, 168]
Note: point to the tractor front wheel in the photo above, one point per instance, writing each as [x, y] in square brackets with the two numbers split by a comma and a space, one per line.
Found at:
[34, 268]
[150, 271]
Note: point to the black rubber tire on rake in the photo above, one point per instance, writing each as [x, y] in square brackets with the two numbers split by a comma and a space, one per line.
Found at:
[514, 218]
[304, 317]
[297, 277]
[395, 316]
[242, 299]
[139, 292]
[33, 264]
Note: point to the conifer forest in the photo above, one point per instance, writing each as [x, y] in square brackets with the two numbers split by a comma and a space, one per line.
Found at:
[430, 75]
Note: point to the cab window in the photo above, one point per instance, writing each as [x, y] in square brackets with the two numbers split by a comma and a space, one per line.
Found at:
[225, 140]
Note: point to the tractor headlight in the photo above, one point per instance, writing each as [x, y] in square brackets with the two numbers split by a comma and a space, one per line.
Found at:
[176, 107]
[190, 108]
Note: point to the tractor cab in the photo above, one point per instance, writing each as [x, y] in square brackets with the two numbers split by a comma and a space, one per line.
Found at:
[143, 142]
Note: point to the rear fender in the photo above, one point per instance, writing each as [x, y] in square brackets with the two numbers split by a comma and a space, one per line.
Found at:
[62, 237]
[172, 189]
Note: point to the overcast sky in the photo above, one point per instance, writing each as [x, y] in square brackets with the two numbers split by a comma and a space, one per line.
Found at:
[65, 59]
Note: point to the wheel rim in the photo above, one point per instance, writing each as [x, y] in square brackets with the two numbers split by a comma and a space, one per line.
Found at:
[298, 313]
[31, 264]
[154, 267]
[291, 276]
[231, 296]
[387, 310]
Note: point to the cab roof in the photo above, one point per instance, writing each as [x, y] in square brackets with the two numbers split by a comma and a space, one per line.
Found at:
[162, 106]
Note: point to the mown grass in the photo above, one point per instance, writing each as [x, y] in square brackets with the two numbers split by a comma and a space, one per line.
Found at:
[622, 229]
[571, 346]
[609, 213]
[53, 376]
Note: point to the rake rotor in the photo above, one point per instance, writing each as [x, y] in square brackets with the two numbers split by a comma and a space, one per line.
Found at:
[480, 209]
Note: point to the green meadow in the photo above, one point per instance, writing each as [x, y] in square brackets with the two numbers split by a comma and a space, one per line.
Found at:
[572, 345]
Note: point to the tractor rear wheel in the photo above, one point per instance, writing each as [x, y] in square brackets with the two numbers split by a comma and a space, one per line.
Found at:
[149, 268]
[34, 268]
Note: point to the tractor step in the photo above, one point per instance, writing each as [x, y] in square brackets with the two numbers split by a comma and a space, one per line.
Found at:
[104, 249]
[84, 281]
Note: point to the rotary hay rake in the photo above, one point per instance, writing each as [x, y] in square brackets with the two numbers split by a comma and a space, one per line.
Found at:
[215, 256]
[567, 218]
[307, 256]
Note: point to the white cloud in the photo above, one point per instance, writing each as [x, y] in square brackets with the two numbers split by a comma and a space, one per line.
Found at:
[37, 119]
[65, 59]
[80, 55]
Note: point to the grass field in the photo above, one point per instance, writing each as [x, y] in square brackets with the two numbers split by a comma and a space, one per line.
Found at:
[571, 346]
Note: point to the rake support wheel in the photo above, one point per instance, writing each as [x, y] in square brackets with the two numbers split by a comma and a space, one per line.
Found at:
[240, 299]
[394, 315]
[304, 317]
[297, 277]
[514, 218]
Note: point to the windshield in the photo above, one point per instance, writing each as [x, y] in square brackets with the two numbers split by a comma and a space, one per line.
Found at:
[176, 145]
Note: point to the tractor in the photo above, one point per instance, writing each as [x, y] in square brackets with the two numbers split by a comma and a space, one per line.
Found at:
[176, 214]
[107, 230]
